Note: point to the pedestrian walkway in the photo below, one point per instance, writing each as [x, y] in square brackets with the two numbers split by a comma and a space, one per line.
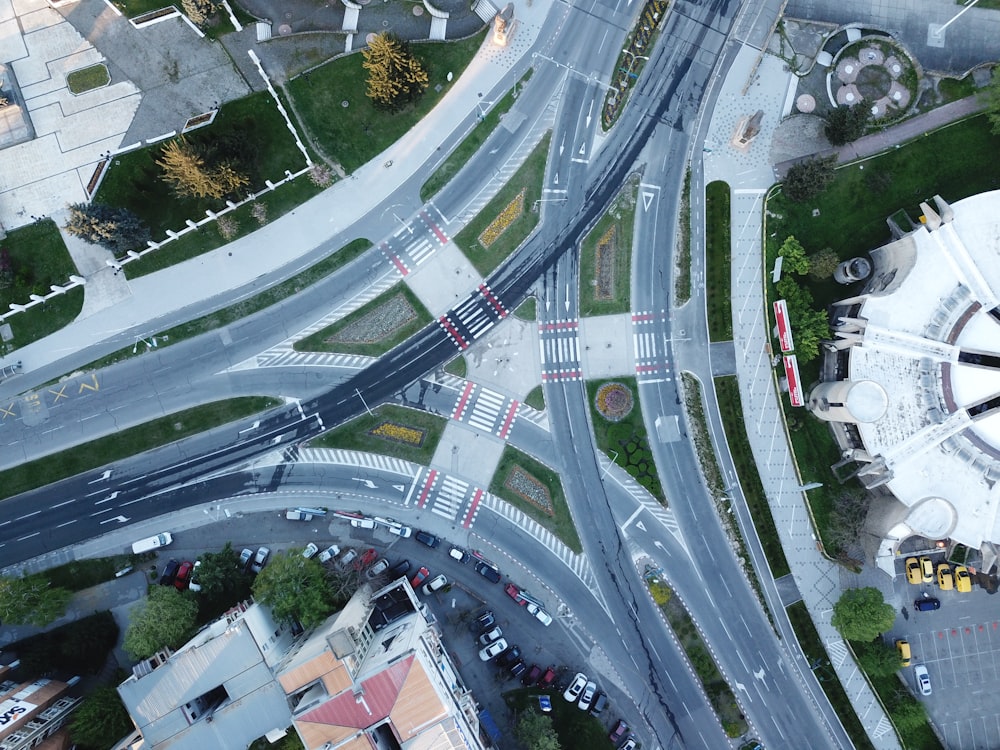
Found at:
[750, 175]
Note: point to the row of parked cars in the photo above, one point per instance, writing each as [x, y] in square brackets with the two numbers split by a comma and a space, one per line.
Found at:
[920, 570]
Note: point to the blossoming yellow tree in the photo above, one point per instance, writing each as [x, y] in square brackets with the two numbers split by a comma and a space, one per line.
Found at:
[395, 76]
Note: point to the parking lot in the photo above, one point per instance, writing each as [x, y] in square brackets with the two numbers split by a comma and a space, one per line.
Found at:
[960, 646]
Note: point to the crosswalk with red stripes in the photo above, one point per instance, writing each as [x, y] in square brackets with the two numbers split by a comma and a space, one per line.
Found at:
[650, 354]
[559, 343]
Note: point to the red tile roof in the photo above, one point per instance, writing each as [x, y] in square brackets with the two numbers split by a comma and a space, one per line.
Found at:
[370, 707]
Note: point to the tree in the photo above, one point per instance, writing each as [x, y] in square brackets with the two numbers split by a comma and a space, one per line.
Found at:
[847, 521]
[191, 174]
[878, 659]
[6, 268]
[198, 11]
[117, 229]
[165, 619]
[846, 124]
[990, 95]
[861, 614]
[794, 255]
[395, 76]
[294, 588]
[823, 264]
[809, 328]
[809, 178]
[31, 600]
[220, 573]
[536, 732]
[909, 713]
[100, 720]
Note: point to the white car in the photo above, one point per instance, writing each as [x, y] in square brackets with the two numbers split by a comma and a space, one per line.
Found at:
[404, 531]
[329, 553]
[923, 679]
[497, 647]
[493, 635]
[539, 614]
[362, 523]
[588, 696]
[575, 687]
[435, 584]
[310, 551]
[193, 584]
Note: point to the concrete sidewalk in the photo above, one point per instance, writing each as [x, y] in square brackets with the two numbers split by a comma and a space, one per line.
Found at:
[285, 240]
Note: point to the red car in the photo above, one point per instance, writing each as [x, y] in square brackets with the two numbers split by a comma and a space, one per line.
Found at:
[183, 574]
[515, 593]
[548, 678]
[366, 559]
[420, 577]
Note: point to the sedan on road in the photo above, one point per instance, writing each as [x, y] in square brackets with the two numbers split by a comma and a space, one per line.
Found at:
[923, 679]
[589, 690]
[488, 572]
[260, 559]
[515, 593]
[927, 604]
[539, 614]
[576, 687]
[495, 648]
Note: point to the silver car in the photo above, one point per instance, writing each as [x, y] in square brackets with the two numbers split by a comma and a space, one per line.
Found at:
[378, 568]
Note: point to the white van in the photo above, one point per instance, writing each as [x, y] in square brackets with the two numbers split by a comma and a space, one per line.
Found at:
[151, 543]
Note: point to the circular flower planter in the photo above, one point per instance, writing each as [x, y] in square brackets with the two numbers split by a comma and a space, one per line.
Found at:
[614, 401]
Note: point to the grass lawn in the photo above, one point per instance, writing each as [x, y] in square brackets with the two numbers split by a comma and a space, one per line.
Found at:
[85, 79]
[561, 523]
[527, 310]
[576, 729]
[536, 399]
[618, 220]
[135, 8]
[356, 434]
[457, 367]
[731, 411]
[471, 143]
[528, 177]
[354, 134]
[701, 660]
[82, 574]
[953, 89]
[317, 342]
[893, 696]
[626, 441]
[130, 442]
[814, 652]
[718, 249]
[38, 259]
[682, 252]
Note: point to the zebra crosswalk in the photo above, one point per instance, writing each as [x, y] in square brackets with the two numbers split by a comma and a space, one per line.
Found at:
[650, 355]
[559, 345]
[486, 410]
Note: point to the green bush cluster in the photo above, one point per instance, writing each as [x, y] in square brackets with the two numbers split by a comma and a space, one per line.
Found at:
[629, 440]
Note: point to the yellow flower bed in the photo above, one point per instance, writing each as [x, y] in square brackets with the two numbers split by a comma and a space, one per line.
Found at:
[512, 211]
[399, 433]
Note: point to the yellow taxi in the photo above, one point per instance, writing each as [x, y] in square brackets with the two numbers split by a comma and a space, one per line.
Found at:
[945, 579]
[903, 647]
[913, 573]
[963, 581]
[927, 569]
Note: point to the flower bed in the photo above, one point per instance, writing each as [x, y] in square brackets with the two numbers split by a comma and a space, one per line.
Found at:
[525, 486]
[604, 267]
[399, 433]
[614, 401]
[379, 324]
[506, 217]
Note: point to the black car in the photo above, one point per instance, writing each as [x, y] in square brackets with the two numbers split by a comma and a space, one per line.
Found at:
[600, 703]
[488, 572]
[399, 569]
[484, 621]
[509, 657]
[517, 669]
[531, 676]
[169, 573]
[927, 604]
[429, 539]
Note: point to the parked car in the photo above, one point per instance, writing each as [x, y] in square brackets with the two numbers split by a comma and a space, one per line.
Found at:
[509, 656]
[927, 604]
[378, 568]
[620, 730]
[402, 531]
[963, 581]
[420, 577]
[548, 677]
[903, 647]
[517, 669]
[193, 584]
[587, 698]
[362, 523]
[298, 515]
[245, 556]
[913, 571]
[489, 636]
[497, 647]
[367, 558]
[260, 559]
[631, 743]
[927, 569]
[945, 579]
[457, 553]
[183, 574]
[600, 703]
[539, 614]
[329, 553]
[576, 687]
[531, 676]
[435, 584]
[923, 679]
[169, 572]
[399, 569]
[515, 593]
[310, 551]
[545, 704]
[488, 572]
[349, 556]
[429, 539]
[484, 620]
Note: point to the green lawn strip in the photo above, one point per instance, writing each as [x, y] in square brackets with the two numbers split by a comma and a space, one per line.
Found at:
[355, 134]
[78, 575]
[457, 367]
[527, 310]
[723, 700]
[682, 248]
[355, 435]
[953, 89]
[85, 79]
[136, 8]
[621, 216]
[561, 523]
[129, 442]
[39, 259]
[528, 177]
[731, 410]
[471, 143]
[252, 125]
[717, 261]
[815, 654]
[626, 442]
[244, 308]
[536, 399]
[317, 342]
[575, 728]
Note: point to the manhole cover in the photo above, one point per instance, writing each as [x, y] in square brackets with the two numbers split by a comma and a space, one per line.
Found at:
[370, 38]
[284, 29]
[345, 104]
[418, 10]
